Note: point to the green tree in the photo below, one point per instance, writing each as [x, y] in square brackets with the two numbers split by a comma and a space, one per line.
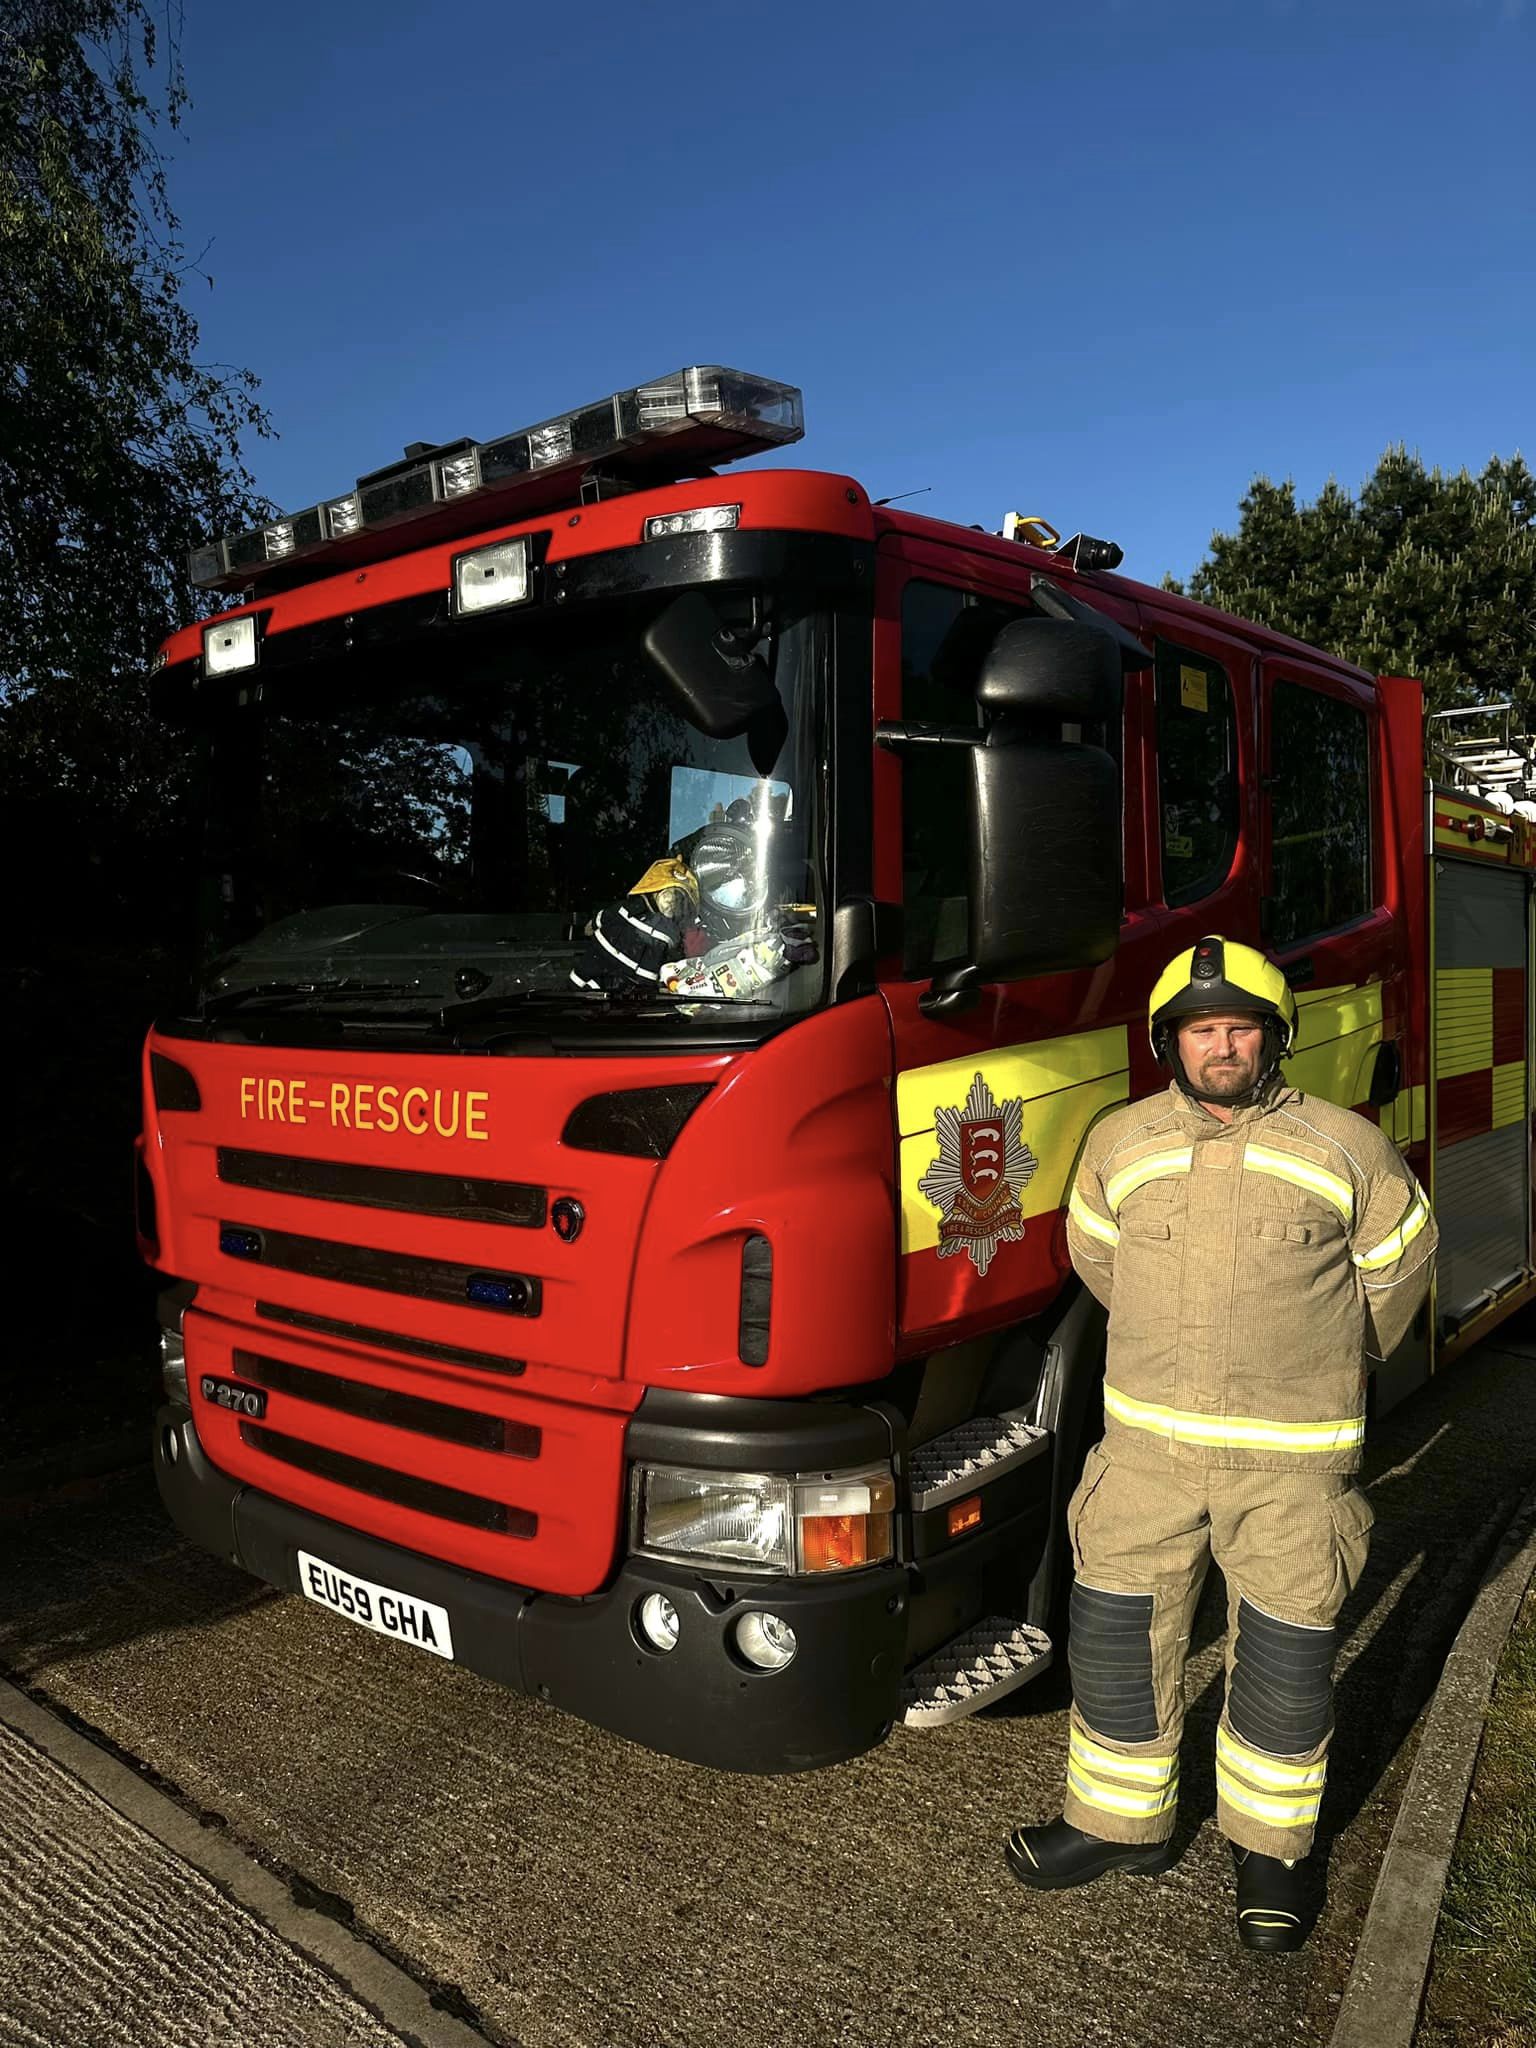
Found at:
[118, 447]
[1421, 573]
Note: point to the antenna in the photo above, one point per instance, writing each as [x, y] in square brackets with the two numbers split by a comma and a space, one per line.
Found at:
[897, 497]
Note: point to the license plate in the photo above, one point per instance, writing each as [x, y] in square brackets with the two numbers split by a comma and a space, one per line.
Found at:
[380, 1608]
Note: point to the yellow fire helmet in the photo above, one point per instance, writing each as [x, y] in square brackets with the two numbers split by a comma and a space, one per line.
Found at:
[1219, 974]
[669, 874]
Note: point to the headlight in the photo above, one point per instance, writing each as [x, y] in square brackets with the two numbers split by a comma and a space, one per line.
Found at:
[491, 577]
[228, 645]
[764, 1523]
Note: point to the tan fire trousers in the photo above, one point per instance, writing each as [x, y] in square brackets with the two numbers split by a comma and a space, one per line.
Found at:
[1292, 1545]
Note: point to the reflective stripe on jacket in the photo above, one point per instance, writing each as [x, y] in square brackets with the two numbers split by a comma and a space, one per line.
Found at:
[1252, 1271]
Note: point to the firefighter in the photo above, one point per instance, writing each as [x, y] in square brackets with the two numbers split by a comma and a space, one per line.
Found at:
[1256, 1248]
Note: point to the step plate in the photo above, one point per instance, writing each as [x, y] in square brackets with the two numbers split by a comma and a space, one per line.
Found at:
[965, 1458]
[985, 1664]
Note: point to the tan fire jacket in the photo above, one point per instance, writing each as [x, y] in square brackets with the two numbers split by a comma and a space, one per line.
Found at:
[1252, 1271]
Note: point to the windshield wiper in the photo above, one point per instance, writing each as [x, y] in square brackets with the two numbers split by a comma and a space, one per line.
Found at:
[304, 991]
[590, 1000]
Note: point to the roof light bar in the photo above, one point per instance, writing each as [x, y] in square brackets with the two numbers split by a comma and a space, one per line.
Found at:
[672, 427]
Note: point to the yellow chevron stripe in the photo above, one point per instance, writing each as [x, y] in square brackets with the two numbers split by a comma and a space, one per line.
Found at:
[1234, 1432]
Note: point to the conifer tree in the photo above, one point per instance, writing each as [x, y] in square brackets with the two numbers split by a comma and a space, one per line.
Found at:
[1421, 573]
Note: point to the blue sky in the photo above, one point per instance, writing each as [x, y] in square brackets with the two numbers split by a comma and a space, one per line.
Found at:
[1104, 262]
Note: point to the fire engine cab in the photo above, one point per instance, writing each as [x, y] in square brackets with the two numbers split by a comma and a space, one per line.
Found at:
[667, 936]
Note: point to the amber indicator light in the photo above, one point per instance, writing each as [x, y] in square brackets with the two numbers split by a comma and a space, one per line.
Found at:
[965, 1514]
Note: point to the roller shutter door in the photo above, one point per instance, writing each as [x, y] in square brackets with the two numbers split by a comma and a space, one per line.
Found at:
[1482, 1034]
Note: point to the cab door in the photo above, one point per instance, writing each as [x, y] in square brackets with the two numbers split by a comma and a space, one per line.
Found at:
[1043, 1057]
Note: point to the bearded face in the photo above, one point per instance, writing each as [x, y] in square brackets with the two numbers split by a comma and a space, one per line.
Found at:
[1221, 1053]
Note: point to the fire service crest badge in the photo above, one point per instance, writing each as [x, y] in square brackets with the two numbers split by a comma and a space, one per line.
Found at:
[975, 1182]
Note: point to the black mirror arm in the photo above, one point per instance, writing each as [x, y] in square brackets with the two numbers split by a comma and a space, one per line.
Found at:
[1056, 604]
[900, 737]
[952, 992]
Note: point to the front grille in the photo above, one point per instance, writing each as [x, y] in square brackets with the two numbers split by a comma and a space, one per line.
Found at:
[390, 1340]
[455, 1195]
[439, 1419]
[401, 1488]
[360, 1265]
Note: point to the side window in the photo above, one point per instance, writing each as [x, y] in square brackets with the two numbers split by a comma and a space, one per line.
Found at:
[1320, 813]
[944, 635]
[1196, 773]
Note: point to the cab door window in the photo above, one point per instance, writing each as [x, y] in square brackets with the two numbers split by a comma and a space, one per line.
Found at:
[1320, 813]
[1197, 778]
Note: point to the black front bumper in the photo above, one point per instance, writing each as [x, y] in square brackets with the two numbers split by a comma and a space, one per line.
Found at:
[699, 1701]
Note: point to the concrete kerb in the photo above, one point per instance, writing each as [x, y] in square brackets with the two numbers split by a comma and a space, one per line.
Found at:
[1380, 2007]
[393, 1997]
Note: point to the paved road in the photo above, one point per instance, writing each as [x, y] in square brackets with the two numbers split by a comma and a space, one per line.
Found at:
[108, 1937]
[570, 1891]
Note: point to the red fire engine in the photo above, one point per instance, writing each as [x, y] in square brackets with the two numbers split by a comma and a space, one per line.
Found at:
[667, 938]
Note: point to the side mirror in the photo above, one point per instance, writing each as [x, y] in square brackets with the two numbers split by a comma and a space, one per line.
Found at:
[1055, 667]
[1044, 817]
[718, 685]
[1046, 887]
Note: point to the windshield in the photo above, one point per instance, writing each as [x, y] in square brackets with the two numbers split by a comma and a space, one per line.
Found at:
[519, 822]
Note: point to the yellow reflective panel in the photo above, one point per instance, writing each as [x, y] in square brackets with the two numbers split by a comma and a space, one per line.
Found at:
[1463, 1020]
[1235, 1432]
[1269, 1770]
[1337, 1032]
[1404, 1120]
[1169, 1165]
[1090, 1222]
[1324, 1013]
[1301, 1173]
[1110, 1799]
[1392, 1248]
[1019, 1070]
[1508, 1094]
[1279, 1813]
[1151, 1770]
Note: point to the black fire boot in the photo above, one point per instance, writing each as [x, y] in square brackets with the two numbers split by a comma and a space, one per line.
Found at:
[1271, 1902]
[1057, 1855]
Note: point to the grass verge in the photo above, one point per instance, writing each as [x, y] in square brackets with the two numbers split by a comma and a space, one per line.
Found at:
[1482, 1984]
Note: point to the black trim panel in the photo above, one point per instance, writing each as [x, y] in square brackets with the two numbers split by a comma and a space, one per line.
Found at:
[364, 1265]
[454, 1195]
[1005, 1502]
[736, 1433]
[390, 1340]
[827, 564]
[403, 1489]
[440, 1419]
